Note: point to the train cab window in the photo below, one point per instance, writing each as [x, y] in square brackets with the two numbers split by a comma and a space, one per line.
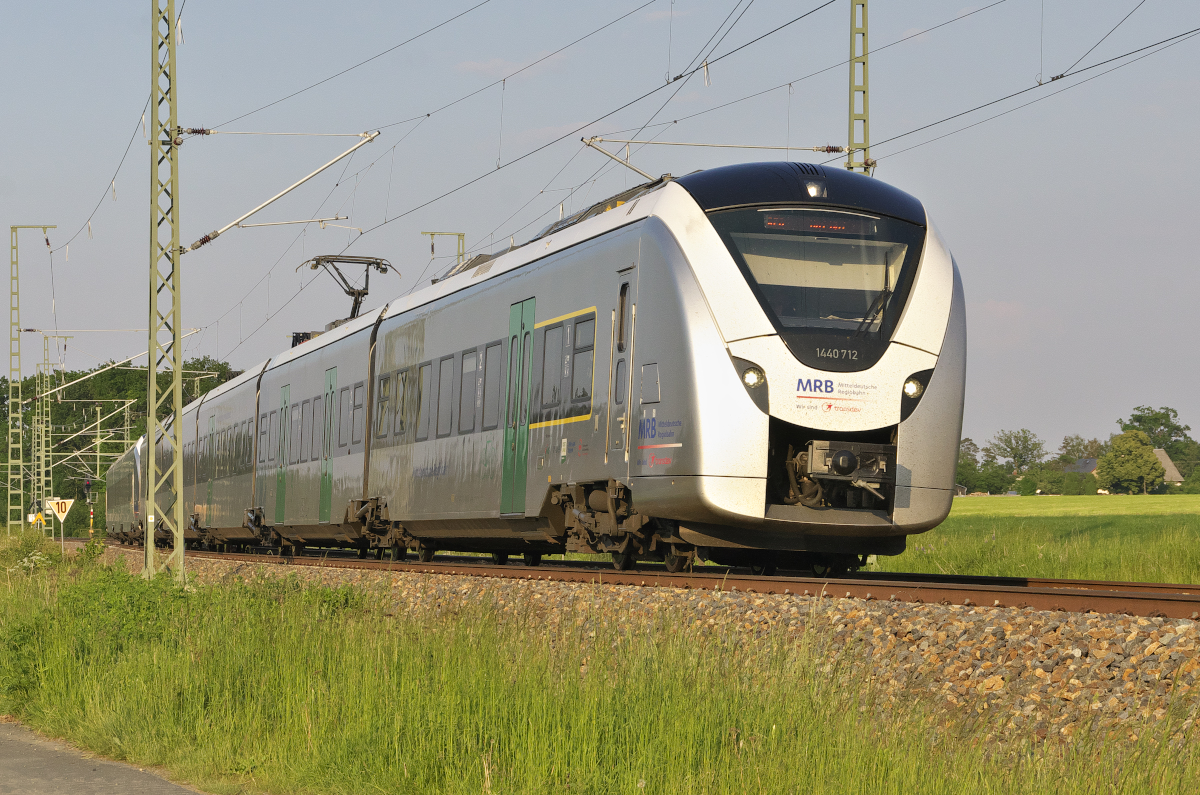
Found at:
[467, 392]
[445, 395]
[398, 424]
[424, 384]
[344, 417]
[358, 414]
[493, 356]
[273, 441]
[619, 388]
[581, 381]
[318, 429]
[551, 372]
[262, 439]
[382, 406]
[294, 438]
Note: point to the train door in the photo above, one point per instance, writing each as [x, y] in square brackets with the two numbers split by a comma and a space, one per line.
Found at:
[516, 427]
[209, 469]
[620, 371]
[326, 508]
[285, 431]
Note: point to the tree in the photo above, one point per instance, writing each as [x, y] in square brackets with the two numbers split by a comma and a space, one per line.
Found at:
[1018, 449]
[1075, 447]
[1161, 426]
[1130, 464]
[967, 472]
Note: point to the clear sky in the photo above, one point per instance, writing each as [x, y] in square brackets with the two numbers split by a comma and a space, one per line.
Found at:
[1069, 217]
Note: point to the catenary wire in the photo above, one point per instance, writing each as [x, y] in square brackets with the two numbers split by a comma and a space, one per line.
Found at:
[1106, 35]
[1039, 99]
[1027, 90]
[511, 75]
[355, 66]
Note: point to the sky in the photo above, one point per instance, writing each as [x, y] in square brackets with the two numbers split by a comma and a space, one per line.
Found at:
[1068, 217]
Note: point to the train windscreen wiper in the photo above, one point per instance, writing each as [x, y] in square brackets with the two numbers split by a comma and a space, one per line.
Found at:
[876, 307]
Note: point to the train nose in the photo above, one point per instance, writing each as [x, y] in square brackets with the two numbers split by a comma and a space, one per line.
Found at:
[844, 462]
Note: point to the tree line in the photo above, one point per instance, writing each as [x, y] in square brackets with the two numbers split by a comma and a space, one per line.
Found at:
[1126, 464]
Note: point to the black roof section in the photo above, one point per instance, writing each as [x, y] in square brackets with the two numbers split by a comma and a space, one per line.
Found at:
[786, 183]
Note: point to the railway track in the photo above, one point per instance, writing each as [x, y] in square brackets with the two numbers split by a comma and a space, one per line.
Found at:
[1077, 596]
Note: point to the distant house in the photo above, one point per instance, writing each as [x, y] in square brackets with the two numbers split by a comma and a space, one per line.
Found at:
[1170, 471]
[1084, 466]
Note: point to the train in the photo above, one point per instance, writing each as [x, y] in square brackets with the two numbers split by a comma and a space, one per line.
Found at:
[758, 364]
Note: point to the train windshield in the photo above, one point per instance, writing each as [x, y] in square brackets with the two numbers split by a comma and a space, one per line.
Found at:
[824, 272]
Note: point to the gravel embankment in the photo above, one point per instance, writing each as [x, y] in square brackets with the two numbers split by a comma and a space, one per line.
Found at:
[1050, 673]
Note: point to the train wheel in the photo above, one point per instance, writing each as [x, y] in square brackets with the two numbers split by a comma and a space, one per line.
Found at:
[673, 560]
[623, 561]
[378, 553]
[298, 550]
[500, 558]
[398, 552]
[763, 569]
[426, 554]
[533, 558]
[362, 553]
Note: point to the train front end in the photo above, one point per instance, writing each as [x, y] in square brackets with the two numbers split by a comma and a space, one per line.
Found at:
[845, 325]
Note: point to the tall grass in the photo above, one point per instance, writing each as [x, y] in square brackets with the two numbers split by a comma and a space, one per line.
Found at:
[275, 687]
[1137, 538]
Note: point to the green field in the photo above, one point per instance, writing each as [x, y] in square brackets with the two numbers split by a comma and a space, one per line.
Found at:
[273, 687]
[1131, 538]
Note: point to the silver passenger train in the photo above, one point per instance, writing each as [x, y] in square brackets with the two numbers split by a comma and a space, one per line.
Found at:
[757, 364]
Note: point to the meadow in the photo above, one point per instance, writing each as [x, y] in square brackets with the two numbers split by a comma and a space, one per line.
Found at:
[1128, 538]
[275, 687]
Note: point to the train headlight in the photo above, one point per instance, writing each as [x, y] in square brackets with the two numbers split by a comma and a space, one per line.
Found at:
[913, 388]
[816, 190]
[753, 377]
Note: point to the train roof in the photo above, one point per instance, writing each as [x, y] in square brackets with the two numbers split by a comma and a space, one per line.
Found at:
[788, 183]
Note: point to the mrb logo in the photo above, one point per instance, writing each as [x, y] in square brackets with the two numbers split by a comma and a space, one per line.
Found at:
[646, 428]
[814, 385]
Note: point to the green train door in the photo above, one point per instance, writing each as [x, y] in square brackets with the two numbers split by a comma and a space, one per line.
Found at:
[285, 429]
[326, 508]
[516, 424]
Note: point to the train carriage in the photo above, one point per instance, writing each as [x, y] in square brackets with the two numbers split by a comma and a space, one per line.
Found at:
[760, 363]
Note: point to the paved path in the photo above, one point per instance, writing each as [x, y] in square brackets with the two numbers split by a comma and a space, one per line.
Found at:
[30, 765]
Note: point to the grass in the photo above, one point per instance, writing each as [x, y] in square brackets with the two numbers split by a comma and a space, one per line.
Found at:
[275, 687]
[1132, 538]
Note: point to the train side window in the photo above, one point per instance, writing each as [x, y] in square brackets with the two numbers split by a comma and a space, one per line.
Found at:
[398, 424]
[305, 429]
[466, 392]
[294, 452]
[551, 375]
[344, 417]
[317, 429]
[622, 312]
[273, 424]
[424, 384]
[619, 389]
[445, 396]
[493, 358]
[382, 406]
[581, 382]
[358, 413]
[262, 439]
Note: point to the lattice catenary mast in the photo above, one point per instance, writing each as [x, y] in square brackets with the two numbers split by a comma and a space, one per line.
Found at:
[16, 475]
[165, 301]
[858, 152]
